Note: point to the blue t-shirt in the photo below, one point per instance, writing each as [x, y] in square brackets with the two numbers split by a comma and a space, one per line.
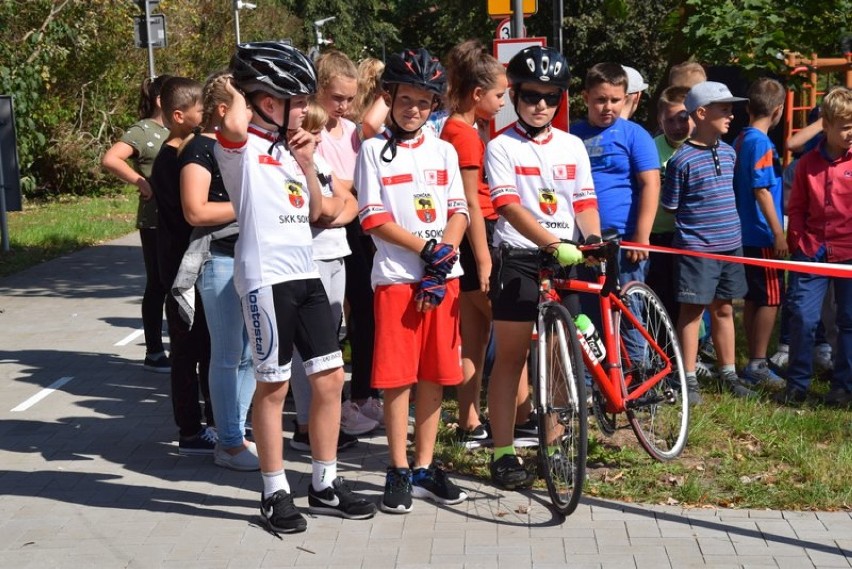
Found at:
[699, 186]
[618, 153]
[757, 166]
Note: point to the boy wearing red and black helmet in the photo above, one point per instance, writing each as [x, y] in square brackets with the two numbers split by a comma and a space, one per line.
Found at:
[273, 184]
[411, 201]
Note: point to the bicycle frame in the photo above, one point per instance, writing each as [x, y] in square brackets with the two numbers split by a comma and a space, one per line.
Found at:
[607, 373]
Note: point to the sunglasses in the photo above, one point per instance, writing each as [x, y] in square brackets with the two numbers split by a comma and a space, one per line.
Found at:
[533, 97]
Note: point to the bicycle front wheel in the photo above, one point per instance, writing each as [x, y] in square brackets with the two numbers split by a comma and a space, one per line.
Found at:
[563, 410]
[653, 366]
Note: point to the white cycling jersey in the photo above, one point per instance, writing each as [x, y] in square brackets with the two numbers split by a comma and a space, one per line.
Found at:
[420, 189]
[550, 177]
[270, 197]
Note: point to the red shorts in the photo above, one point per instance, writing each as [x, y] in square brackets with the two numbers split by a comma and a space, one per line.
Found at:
[415, 346]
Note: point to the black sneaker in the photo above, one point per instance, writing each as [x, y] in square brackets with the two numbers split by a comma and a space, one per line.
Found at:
[528, 428]
[280, 513]
[340, 500]
[790, 396]
[202, 443]
[508, 472]
[302, 441]
[158, 363]
[397, 498]
[838, 397]
[433, 484]
[477, 437]
[733, 384]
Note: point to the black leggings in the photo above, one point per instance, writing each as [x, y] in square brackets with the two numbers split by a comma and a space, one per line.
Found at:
[362, 325]
[155, 294]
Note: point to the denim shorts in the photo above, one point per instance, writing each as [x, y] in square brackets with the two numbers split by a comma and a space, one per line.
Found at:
[701, 281]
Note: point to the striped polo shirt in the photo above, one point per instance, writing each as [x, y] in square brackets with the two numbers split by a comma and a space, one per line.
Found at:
[699, 188]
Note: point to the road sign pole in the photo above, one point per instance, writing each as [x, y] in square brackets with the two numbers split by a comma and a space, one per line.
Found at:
[148, 41]
[558, 14]
[517, 18]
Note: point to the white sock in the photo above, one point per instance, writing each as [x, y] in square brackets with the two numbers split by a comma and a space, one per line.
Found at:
[273, 482]
[323, 473]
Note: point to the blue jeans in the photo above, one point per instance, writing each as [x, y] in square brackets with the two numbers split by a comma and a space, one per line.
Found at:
[805, 295]
[231, 378]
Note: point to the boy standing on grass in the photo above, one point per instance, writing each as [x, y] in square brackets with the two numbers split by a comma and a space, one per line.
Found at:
[273, 184]
[758, 187]
[699, 191]
[412, 203]
[820, 230]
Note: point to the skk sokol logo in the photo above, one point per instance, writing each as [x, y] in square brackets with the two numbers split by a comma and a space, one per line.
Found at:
[294, 194]
[547, 200]
[425, 207]
[262, 331]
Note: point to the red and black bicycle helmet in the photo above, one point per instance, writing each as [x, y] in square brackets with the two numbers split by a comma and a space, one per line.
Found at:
[275, 68]
[416, 67]
[537, 64]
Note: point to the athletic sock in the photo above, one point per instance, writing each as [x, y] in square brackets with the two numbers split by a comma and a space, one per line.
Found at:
[755, 363]
[727, 368]
[500, 452]
[323, 473]
[273, 482]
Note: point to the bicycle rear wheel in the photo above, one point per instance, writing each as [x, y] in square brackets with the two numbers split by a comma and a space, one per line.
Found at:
[563, 411]
[660, 416]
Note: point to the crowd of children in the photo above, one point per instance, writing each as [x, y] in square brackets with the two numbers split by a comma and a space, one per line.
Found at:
[307, 202]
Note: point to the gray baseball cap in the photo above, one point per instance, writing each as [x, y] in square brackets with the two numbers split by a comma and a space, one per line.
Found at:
[635, 81]
[707, 93]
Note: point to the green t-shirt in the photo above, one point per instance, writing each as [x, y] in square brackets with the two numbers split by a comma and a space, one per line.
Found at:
[145, 137]
[664, 222]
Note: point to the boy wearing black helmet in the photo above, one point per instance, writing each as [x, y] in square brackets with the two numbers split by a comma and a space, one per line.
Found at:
[411, 201]
[275, 191]
[541, 184]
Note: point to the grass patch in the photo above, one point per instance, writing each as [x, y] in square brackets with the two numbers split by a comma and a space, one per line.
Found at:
[44, 231]
[740, 454]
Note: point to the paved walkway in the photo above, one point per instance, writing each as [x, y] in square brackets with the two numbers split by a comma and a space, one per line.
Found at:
[90, 476]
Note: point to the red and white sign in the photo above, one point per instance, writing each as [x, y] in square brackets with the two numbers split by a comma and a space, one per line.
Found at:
[504, 50]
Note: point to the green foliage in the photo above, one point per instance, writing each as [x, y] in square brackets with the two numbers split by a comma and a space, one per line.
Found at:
[755, 33]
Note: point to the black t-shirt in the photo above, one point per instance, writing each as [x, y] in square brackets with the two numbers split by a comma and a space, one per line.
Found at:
[173, 231]
[199, 151]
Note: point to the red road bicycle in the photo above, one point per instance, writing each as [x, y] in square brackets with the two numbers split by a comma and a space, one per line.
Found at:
[641, 373]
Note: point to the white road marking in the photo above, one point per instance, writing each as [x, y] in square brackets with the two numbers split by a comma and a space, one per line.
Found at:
[129, 338]
[42, 394]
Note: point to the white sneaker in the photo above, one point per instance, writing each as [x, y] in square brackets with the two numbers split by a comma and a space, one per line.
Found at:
[353, 421]
[704, 371]
[246, 460]
[822, 357]
[781, 357]
[374, 409]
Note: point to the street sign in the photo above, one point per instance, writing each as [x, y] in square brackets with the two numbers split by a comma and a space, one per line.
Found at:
[504, 29]
[157, 24]
[500, 8]
[504, 50]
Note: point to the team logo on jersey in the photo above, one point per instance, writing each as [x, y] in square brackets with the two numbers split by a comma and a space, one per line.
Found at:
[435, 177]
[425, 207]
[547, 200]
[295, 194]
[564, 171]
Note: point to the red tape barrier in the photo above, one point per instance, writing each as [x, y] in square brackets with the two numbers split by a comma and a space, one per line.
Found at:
[824, 269]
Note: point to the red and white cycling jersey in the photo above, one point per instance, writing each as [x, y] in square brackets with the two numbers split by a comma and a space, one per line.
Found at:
[419, 190]
[551, 178]
[270, 197]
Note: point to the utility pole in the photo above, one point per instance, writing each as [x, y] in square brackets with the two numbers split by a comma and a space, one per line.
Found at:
[517, 18]
[239, 5]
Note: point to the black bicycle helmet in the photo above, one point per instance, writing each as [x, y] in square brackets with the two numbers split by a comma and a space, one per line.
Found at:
[537, 64]
[275, 68]
[415, 67]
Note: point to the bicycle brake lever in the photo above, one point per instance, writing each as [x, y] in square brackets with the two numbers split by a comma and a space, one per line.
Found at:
[611, 283]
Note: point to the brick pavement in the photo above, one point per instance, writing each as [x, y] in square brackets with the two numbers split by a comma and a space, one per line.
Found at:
[90, 476]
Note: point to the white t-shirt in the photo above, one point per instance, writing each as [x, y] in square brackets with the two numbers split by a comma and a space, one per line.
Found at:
[270, 197]
[551, 178]
[329, 243]
[419, 190]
